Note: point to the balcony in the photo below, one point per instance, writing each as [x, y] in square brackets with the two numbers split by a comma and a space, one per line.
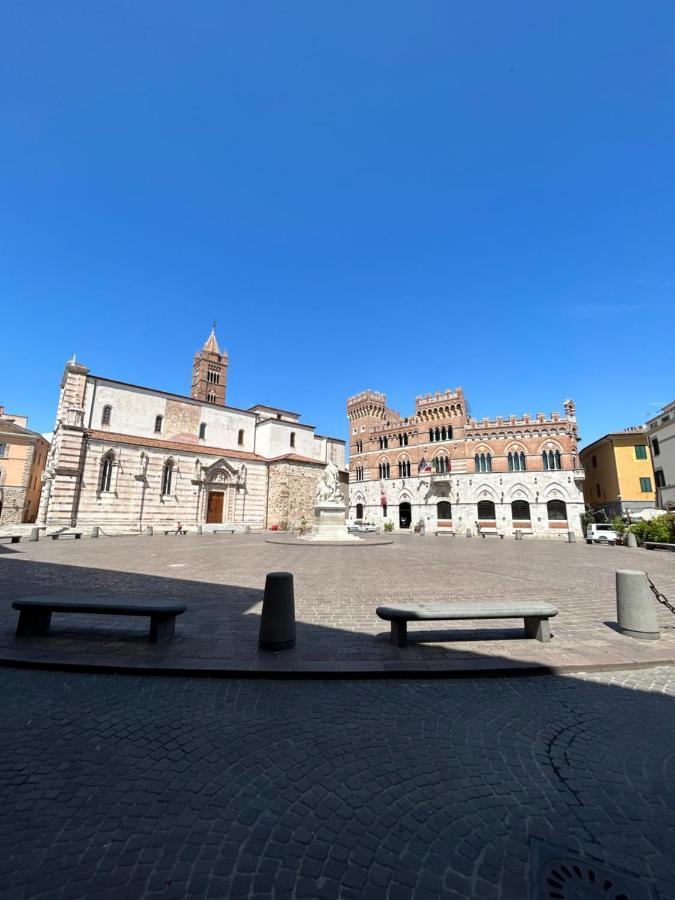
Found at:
[579, 474]
[437, 477]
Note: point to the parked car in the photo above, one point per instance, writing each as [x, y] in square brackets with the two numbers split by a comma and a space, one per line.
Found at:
[601, 533]
[360, 527]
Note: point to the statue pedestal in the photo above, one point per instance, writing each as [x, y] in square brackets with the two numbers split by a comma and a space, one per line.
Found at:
[330, 524]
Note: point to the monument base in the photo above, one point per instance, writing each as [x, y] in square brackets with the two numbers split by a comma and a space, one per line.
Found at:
[330, 524]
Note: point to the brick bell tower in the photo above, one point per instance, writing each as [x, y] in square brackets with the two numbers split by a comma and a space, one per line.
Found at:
[209, 372]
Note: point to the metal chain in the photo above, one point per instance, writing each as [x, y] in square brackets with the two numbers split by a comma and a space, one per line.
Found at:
[661, 598]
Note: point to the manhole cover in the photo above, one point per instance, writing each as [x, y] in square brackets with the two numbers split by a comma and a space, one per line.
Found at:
[558, 874]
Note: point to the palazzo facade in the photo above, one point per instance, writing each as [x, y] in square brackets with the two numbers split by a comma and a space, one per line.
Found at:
[124, 457]
[440, 468]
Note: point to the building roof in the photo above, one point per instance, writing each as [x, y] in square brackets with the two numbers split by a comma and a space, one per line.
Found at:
[616, 434]
[113, 437]
[275, 409]
[211, 344]
[295, 457]
[8, 427]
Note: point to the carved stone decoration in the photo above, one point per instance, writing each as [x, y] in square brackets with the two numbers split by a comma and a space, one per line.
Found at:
[329, 489]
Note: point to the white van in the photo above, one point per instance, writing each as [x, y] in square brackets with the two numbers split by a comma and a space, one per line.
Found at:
[601, 533]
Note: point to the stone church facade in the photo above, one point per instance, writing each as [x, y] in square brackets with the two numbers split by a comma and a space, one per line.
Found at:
[443, 469]
[124, 457]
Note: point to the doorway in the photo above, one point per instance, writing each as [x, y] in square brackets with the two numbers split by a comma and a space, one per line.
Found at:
[214, 506]
[404, 515]
[359, 510]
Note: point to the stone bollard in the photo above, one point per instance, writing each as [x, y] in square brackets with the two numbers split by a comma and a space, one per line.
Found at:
[518, 535]
[95, 531]
[277, 622]
[631, 540]
[635, 611]
[571, 537]
[468, 532]
[199, 529]
[34, 534]
[150, 531]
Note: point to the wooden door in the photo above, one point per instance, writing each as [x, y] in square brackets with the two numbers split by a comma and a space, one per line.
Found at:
[214, 507]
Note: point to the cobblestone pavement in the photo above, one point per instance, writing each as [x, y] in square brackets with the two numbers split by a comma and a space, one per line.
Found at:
[337, 590]
[144, 787]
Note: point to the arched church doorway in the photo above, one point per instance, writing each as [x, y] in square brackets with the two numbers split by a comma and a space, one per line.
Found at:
[359, 510]
[404, 515]
[214, 506]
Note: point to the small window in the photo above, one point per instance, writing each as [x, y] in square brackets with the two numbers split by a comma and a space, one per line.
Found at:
[292, 439]
[655, 446]
[659, 478]
[646, 485]
[3, 450]
[158, 424]
[202, 431]
[598, 490]
[240, 437]
[211, 397]
[167, 478]
[106, 415]
[443, 510]
[486, 510]
[106, 472]
[557, 511]
[520, 510]
[640, 451]
[594, 462]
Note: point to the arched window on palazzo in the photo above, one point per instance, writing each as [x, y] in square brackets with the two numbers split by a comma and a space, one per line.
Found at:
[486, 510]
[520, 511]
[443, 510]
[167, 477]
[105, 480]
[106, 415]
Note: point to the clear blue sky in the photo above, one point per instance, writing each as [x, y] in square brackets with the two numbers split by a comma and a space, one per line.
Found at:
[403, 196]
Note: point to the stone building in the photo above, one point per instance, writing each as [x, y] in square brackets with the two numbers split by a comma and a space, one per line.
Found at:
[23, 454]
[444, 469]
[125, 457]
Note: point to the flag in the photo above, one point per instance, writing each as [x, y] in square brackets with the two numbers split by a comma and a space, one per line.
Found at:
[424, 466]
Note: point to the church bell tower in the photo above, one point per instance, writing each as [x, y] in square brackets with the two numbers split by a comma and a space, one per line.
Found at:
[209, 372]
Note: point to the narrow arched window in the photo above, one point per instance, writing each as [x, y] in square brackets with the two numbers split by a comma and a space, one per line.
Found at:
[544, 457]
[106, 415]
[557, 510]
[521, 457]
[443, 510]
[437, 434]
[359, 510]
[520, 510]
[158, 424]
[211, 397]
[431, 435]
[557, 459]
[167, 478]
[292, 439]
[240, 438]
[449, 432]
[476, 462]
[486, 510]
[443, 433]
[202, 431]
[106, 472]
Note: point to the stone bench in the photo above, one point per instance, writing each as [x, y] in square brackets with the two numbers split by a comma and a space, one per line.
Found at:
[445, 531]
[13, 538]
[658, 545]
[220, 530]
[35, 613]
[535, 614]
[73, 534]
[175, 531]
[489, 532]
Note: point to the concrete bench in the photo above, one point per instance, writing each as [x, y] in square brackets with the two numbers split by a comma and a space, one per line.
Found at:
[445, 531]
[489, 532]
[658, 545]
[73, 534]
[175, 531]
[207, 530]
[535, 615]
[13, 538]
[35, 613]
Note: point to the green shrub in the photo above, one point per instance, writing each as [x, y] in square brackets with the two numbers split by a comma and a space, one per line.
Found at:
[660, 529]
[619, 525]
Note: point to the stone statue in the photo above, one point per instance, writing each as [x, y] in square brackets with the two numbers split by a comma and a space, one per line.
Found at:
[328, 489]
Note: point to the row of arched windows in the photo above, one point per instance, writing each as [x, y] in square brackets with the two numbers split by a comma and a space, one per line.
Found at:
[358, 473]
[384, 443]
[551, 459]
[404, 469]
[517, 462]
[520, 510]
[440, 434]
[483, 462]
[106, 473]
[384, 470]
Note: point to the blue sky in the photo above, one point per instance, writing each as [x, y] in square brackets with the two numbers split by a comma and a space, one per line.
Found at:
[403, 196]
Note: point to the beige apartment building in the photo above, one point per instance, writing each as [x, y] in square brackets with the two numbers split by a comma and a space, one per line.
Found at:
[23, 454]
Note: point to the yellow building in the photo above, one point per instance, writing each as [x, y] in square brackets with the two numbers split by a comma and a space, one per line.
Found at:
[619, 472]
[23, 454]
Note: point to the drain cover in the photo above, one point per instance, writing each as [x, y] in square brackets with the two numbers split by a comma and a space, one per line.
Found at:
[558, 874]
